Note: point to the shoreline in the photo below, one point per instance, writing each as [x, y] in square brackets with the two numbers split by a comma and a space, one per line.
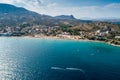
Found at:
[59, 38]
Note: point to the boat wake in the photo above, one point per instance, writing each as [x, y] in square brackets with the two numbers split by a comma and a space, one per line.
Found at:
[76, 69]
[57, 68]
[71, 69]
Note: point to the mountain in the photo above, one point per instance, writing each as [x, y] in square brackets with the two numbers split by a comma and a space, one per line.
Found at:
[69, 17]
[111, 20]
[7, 8]
[108, 19]
[11, 15]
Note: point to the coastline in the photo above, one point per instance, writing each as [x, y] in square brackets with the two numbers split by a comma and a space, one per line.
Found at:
[60, 38]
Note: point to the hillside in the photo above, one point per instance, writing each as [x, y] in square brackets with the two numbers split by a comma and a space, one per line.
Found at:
[12, 16]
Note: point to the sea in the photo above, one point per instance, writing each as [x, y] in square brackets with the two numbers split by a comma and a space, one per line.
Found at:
[51, 59]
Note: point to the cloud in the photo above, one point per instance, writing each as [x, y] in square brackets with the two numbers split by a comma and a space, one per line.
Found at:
[37, 2]
[113, 5]
[54, 9]
[52, 5]
[7, 1]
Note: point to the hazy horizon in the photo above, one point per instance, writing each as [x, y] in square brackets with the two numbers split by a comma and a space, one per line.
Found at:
[79, 8]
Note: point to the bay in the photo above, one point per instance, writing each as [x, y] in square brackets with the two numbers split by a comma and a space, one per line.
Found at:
[50, 59]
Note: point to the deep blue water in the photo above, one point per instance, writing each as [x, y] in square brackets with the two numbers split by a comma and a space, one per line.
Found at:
[44, 59]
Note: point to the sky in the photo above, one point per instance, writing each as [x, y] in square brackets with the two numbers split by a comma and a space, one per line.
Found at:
[79, 8]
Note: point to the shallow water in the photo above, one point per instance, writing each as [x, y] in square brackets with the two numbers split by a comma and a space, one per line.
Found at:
[45, 59]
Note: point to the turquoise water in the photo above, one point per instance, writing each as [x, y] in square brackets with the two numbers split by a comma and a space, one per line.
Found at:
[44, 59]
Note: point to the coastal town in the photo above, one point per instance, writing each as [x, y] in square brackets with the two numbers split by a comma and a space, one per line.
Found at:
[104, 33]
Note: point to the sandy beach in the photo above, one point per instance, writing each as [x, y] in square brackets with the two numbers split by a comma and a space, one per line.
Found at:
[64, 38]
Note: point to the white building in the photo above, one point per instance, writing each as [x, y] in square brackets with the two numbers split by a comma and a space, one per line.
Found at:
[117, 37]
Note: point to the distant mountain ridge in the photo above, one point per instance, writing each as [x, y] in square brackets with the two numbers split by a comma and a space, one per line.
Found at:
[107, 19]
[11, 15]
[65, 17]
